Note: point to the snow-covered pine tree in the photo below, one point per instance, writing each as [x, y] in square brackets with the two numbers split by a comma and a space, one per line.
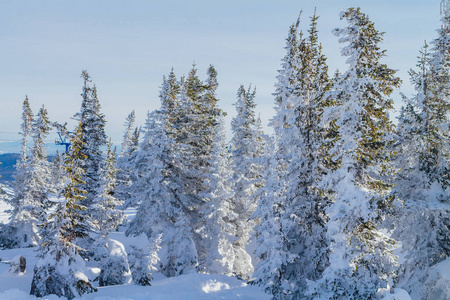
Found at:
[360, 261]
[411, 135]
[194, 124]
[270, 237]
[437, 108]
[304, 219]
[41, 174]
[422, 223]
[169, 96]
[60, 270]
[272, 247]
[191, 116]
[297, 163]
[162, 207]
[107, 215]
[125, 177]
[306, 204]
[144, 258]
[218, 230]
[247, 148]
[94, 138]
[11, 235]
[26, 126]
[106, 218]
[134, 145]
[57, 173]
[32, 183]
[128, 135]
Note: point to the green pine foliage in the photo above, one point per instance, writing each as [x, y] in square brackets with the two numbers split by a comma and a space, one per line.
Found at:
[60, 267]
[360, 259]
[423, 163]
[94, 138]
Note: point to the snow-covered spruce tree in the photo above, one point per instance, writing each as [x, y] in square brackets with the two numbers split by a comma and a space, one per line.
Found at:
[124, 176]
[58, 176]
[60, 270]
[11, 235]
[106, 218]
[411, 134]
[33, 183]
[191, 117]
[422, 223]
[270, 237]
[193, 124]
[360, 259]
[143, 258]
[305, 203]
[272, 248]
[247, 148]
[218, 230]
[40, 167]
[297, 164]
[162, 207]
[94, 138]
[169, 95]
[437, 108]
[128, 135]
[27, 121]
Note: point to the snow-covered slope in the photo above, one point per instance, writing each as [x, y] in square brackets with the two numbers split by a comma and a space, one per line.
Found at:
[193, 286]
[399, 294]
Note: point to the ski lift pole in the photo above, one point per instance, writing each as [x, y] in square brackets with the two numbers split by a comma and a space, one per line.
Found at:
[62, 141]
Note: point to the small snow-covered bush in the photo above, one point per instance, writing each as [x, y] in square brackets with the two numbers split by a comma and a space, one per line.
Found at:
[62, 274]
[114, 266]
[143, 259]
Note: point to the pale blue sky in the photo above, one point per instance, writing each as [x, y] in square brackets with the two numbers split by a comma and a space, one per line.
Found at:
[127, 46]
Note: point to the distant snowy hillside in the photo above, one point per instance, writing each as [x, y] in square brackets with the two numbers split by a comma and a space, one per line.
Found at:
[7, 166]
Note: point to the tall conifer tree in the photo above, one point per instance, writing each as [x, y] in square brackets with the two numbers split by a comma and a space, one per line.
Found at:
[360, 261]
[60, 269]
[94, 138]
[125, 162]
[33, 183]
[423, 160]
[247, 148]
[218, 230]
[294, 205]
[161, 209]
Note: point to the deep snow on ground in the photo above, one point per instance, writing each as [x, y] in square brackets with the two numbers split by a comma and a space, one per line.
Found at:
[194, 286]
[442, 279]
[184, 287]
[399, 294]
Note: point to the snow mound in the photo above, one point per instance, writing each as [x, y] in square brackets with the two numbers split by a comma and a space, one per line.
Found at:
[440, 280]
[214, 286]
[399, 294]
[186, 287]
[116, 248]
